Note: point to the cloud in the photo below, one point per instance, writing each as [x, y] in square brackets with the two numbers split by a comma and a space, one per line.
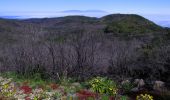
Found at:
[84, 11]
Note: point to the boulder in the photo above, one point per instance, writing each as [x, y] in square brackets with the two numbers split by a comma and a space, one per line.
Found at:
[158, 85]
[139, 82]
[125, 81]
[134, 89]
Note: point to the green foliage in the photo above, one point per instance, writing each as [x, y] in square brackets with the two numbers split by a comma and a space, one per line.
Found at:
[123, 98]
[105, 97]
[16, 77]
[103, 86]
[85, 85]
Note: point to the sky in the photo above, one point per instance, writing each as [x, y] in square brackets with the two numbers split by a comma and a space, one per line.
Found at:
[153, 9]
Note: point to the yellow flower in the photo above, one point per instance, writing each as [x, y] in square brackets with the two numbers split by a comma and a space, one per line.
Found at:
[144, 97]
[97, 80]
[5, 86]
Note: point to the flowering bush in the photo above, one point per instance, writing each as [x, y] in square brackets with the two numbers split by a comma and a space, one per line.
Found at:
[144, 97]
[7, 88]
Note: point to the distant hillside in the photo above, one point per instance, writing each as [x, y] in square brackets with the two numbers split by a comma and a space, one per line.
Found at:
[62, 19]
[129, 23]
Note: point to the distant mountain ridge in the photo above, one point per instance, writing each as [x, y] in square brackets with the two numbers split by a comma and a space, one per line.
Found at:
[115, 23]
[14, 17]
[92, 13]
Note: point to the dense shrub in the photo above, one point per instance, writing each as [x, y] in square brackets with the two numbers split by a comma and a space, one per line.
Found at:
[103, 86]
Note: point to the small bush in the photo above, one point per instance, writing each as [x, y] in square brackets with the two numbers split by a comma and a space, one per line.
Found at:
[103, 86]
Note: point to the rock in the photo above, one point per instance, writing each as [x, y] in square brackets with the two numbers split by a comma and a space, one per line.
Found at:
[125, 81]
[139, 82]
[158, 85]
[135, 89]
[76, 84]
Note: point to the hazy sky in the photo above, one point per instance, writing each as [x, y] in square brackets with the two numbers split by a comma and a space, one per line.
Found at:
[47, 8]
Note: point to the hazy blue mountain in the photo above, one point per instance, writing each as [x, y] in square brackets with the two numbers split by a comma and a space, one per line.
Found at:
[163, 23]
[14, 17]
[92, 13]
[10, 17]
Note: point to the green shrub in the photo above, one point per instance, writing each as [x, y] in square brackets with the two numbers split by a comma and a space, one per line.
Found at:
[15, 77]
[123, 98]
[103, 86]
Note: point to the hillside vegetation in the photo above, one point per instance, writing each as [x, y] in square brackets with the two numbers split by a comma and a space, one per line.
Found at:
[133, 24]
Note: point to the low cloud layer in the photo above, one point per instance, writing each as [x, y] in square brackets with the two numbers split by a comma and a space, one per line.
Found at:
[92, 13]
